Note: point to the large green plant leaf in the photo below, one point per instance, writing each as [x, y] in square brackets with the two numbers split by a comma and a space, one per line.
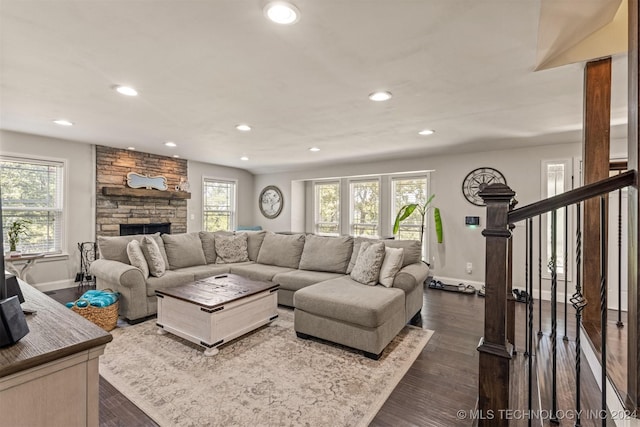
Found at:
[403, 214]
[438, 221]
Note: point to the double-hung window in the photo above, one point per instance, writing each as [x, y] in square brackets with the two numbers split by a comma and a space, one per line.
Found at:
[364, 207]
[556, 179]
[32, 190]
[407, 190]
[327, 208]
[219, 204]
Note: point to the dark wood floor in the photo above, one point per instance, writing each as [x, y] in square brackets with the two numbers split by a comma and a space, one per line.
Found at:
[440, 383]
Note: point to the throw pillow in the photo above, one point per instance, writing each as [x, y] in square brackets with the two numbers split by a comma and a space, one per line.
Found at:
[367, 267]
[392, 263]
[184, 250]
[283, 250]
[136, 257]
[231, 248]
[153, 256]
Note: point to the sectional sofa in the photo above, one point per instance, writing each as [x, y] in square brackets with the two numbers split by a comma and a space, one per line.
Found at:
[315, 275]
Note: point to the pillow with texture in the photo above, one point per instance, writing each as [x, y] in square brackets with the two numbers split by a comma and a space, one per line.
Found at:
[208, 240]
[231, 248]
[153, 256]
[136, 257]
[367, 267]
[392, 263]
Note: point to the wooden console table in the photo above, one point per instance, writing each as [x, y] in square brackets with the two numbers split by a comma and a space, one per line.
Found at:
[21, 272]
[50, 377]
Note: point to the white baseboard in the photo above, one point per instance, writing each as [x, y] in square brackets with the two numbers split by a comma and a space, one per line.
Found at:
[454, 281]
[53, 286]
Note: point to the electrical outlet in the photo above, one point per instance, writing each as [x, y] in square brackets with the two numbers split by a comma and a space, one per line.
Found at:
[469, 268]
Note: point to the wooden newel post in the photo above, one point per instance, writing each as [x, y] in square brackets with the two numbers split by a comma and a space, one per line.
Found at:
[495, 351]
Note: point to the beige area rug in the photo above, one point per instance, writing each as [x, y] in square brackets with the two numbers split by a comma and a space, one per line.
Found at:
[265, 378]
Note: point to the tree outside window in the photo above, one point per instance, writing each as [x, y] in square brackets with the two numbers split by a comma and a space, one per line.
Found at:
[327, 208]
[219, 205]
[365, 208]
[404, 192]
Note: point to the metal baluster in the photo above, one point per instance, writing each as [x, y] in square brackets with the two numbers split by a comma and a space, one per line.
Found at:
[539, 275]
[579, 302]
[530, 310]
[527, 349]
[565, 267]
[603, 305]
[553, 263]
[619, 323]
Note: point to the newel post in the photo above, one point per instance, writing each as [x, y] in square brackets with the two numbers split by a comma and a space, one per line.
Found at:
[495, 351]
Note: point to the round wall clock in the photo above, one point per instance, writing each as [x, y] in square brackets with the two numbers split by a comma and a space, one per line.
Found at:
[271, 201]
[476, 180]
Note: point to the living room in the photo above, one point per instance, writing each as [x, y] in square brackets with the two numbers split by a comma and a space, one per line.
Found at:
[486, 104]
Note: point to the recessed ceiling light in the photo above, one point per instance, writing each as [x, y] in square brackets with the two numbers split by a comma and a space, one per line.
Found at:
[176, 156]
[170, 144]
[126, 90]
[131, 148]
[314, 149]
[426, 132]
[380, 96]
[244, 158]
[243, 127]
[63, 122]
[282, 12]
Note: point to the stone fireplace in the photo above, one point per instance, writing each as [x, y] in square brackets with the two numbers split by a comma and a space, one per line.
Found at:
[144, 209]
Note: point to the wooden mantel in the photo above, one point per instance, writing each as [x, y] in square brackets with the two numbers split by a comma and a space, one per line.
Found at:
[143, 192]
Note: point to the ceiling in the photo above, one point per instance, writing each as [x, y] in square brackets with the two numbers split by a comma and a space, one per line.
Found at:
[463, 68]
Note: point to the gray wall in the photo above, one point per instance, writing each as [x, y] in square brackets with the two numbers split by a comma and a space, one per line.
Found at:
[79, 203]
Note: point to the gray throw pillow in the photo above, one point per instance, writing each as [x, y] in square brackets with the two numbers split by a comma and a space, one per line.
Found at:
[231, 248]
[254, 242]
[282, 250]
[153, 256]
[367, 267]
[392, 263]
[136, 257]
[323, 253]
[184, 250]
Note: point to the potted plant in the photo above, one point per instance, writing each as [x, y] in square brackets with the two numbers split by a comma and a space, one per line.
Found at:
[17, 229]
[406, 211]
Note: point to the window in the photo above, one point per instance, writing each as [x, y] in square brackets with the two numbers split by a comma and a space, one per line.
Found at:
[327, 208]
[219, 205]
[33, 190]
[404, 191]
[556, 180]
[365, 207]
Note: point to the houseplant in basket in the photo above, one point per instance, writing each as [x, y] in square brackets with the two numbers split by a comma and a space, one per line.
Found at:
[17, 229]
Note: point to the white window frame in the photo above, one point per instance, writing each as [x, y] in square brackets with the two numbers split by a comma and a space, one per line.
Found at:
[61, 195]
[316, 208]
[427, 228]
[546, 218]
[351, 224]
[233, 223]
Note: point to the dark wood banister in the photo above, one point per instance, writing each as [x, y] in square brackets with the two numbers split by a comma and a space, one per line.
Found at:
[573, 196]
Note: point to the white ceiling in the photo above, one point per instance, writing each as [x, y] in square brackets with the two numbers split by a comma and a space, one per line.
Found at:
[463, 68]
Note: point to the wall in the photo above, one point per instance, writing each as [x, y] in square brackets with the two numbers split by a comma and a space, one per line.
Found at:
[244, 191]
[112, 167]
[59, 271]
[521, 167]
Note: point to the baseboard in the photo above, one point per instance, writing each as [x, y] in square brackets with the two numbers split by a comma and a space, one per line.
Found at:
[454, 281]
[53, 286]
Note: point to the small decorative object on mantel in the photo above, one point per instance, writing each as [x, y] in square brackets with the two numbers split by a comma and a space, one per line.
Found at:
[136, 180]
[476, 180]
[271, 201]
[183, 186]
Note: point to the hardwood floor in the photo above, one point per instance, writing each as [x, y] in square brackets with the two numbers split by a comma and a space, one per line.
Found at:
[439, 384]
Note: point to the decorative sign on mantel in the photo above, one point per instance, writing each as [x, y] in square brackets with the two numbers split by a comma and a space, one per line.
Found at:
[136, 180]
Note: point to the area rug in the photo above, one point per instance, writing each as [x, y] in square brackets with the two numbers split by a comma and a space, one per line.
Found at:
[265, 378]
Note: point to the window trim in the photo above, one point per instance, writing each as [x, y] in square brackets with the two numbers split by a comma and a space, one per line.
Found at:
[378, 179]
[234, 214]
[64, 163]
[316, 207]
[569, 173]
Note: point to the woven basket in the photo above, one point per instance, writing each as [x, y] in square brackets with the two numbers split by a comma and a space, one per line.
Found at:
[105, 317]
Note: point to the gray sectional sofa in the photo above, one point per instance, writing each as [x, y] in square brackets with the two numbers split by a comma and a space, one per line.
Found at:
[311, 271]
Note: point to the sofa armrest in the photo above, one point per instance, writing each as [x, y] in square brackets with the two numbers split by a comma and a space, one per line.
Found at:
[117, 272]
[411, 276]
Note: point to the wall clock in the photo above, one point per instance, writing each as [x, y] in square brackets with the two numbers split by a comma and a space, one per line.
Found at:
[478, 178]
[271, 201]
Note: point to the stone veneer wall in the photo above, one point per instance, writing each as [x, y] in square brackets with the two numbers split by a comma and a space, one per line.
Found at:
[112, 166]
